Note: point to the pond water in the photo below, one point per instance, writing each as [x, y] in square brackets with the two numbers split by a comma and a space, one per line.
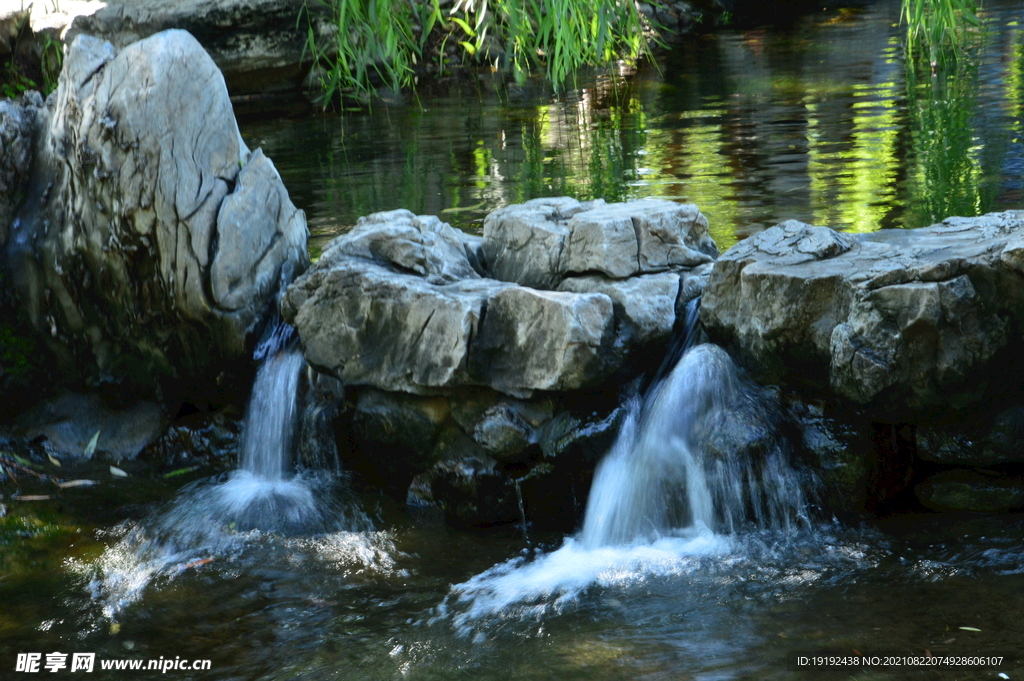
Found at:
[815, 122]
[820, 122]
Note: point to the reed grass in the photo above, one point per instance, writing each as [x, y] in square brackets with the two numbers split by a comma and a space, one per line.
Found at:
[380, 42]
[939, 29]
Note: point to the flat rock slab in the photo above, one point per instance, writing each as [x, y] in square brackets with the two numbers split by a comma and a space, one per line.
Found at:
[540, 242]
[898, 320]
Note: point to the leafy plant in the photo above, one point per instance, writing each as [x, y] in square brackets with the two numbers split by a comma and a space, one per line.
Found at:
[369, 38]
[51, 60]
[384, 40]
[15, 82]
[560, 35]
[939, 27]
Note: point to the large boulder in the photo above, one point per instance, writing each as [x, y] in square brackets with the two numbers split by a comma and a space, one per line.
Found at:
[484, 370]
[543, 340]
[555, 297]
[897, 321]
[385, 305]
[153, 241]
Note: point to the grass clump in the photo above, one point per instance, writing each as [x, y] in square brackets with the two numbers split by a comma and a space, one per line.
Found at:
[382, 41]
[937, 29]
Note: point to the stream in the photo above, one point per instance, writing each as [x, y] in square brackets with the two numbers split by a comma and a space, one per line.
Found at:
[819, 121]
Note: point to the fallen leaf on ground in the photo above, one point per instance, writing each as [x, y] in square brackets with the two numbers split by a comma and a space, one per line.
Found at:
[90, 448]
[68, 484]
[180, 471]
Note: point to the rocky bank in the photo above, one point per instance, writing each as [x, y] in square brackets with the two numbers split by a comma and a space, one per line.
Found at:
[473, 363]
[147, 243]
[915, 336]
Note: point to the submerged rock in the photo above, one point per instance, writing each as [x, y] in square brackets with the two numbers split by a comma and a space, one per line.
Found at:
[895, 320]
[995, 441]
[971, 490]
[153, 240]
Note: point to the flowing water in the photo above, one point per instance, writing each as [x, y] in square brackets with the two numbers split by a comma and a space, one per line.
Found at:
[277, 575]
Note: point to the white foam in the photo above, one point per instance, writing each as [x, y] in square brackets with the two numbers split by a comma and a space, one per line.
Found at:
[524, 588]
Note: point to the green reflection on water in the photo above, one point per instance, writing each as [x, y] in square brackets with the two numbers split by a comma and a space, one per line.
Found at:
[826, 124]
[944, 174]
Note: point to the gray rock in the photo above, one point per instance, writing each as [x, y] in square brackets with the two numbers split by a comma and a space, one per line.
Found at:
[591, 438]
[507, 429]
[896, 319]
[418, 244]
[523, 243]
[645, 306]
[70, 422]
[369, 325]
[20, 122]
[670, 235]
[397, 316]
[257, 218]
[539, 242]
[691, 285]
[540, 340]
[154, 242]
[602, 240]
[970, 490]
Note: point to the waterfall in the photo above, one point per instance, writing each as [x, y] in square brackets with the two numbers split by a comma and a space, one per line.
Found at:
[261, 503]
[271, 416]
[658, 477]
[697, 464]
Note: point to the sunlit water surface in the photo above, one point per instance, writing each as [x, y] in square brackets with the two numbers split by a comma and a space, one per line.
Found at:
[820, 122]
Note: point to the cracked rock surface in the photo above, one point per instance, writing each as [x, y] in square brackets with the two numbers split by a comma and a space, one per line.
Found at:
[152, 241]
[555, 296]
[902, 321]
